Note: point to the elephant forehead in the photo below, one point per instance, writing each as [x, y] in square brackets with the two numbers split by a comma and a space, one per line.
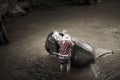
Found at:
[56, 35]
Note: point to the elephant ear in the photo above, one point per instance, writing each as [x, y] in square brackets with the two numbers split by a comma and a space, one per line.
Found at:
[51, 44]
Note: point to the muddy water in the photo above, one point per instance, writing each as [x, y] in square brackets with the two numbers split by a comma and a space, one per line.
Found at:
[25, 57]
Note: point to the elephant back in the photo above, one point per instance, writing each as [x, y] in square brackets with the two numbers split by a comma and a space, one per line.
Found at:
[82, 53]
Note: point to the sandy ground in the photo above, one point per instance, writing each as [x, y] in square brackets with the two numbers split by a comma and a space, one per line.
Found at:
[25, 57]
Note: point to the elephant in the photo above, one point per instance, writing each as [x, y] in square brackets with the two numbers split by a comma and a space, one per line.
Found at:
[82, 52]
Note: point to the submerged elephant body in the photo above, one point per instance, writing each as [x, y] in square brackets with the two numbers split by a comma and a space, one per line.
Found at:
[82, 52]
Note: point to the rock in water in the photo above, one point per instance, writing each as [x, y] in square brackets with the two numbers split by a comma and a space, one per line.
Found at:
[18, 11]
[25, 5]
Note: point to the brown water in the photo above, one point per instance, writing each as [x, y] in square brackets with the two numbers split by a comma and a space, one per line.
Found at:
[25, 57]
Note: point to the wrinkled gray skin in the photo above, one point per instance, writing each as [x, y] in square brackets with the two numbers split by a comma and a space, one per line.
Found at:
[82, 52]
